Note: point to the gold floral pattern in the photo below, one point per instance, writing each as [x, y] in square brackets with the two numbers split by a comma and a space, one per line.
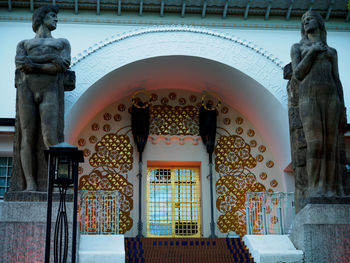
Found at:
[166, 119]
[112, 160]
[253, 143]
[263, 176]
[107, 178]
[233, 162]
[270, 164]
[113, 151]
[112, 156]
[172, 95]
[234, 153]
[239, 130]
[81, 142]
[193, 98]
[262, 148]
[227, 121]
[224, 110]
[239, 120]
[231, 200]
[154, 97]
[92, 139]
[259, 158]
[182, 101]
[251, 133]
[164, 101]
[95, 126]
[274, 183]
[117, 117]
[121, 107]
[86, 152]
[106, 127]
[107, 116]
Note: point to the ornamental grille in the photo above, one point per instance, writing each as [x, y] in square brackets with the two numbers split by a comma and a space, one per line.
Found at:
[269, 213]
[99, 212]
[173, 202]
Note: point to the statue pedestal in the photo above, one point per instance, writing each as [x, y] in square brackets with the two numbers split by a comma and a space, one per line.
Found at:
[23, 228]
[322, 231]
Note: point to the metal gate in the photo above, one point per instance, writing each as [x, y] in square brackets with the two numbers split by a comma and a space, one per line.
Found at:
[99, 212]
[269, 213]
[173, 202]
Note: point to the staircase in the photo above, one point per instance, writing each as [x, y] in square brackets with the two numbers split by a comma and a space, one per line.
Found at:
[186, 250]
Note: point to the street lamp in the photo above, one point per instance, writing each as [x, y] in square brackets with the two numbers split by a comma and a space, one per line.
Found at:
[63, 161]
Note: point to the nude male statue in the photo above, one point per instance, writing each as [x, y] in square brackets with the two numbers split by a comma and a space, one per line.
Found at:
[40, 62]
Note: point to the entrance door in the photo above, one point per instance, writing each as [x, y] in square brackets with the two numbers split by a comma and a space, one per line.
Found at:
[173, 202]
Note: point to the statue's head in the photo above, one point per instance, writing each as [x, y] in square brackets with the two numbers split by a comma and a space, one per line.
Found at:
[40, 14]
[307, 19]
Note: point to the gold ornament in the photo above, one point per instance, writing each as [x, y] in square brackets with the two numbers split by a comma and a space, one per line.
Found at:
[218, 104]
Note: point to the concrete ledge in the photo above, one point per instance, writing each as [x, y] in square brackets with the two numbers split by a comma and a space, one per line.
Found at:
[272, 249]
[23, 196]
[101, 248]
[30, 211]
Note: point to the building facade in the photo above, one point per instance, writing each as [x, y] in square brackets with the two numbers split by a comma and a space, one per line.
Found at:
[178, 59]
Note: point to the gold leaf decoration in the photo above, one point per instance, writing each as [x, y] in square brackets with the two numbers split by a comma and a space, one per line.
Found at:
[112, 160]
[166, 119]
[233, 161]
[234, 153]
[113, 151]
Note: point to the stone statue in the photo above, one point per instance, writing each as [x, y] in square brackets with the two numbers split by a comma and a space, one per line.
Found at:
[41, 77]
[297, 139]
[317, 114]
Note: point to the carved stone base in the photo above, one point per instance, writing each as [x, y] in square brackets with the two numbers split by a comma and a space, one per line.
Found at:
[322, 232]
[23, 231]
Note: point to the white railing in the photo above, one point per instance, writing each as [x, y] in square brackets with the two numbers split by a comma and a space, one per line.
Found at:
[269, 213]
[99, 212]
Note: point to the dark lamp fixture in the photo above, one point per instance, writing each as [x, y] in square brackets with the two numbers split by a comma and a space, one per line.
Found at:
[63, 163]
[63, 173]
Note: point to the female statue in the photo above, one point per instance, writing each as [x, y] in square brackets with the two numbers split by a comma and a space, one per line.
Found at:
[321, 108]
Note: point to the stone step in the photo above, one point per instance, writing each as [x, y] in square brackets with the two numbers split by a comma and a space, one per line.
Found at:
[272, 249]
[201, 250]
[101, 249]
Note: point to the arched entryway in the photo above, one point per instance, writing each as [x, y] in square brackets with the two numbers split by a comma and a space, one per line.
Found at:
[251, 86]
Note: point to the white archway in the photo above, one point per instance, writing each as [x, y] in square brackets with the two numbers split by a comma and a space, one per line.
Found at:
[246, 77]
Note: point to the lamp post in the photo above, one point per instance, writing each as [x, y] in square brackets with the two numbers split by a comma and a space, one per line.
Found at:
[63, 161]
[140, 122]
[207, 130]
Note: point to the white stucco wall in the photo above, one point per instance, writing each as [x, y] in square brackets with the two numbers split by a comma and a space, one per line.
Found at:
[83, 36]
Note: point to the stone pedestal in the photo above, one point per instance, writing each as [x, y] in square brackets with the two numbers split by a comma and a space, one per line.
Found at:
[23, 229]
[322, 232]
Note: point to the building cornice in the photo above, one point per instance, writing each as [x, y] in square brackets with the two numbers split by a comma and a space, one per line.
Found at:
[111, 18]
[178, 28]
